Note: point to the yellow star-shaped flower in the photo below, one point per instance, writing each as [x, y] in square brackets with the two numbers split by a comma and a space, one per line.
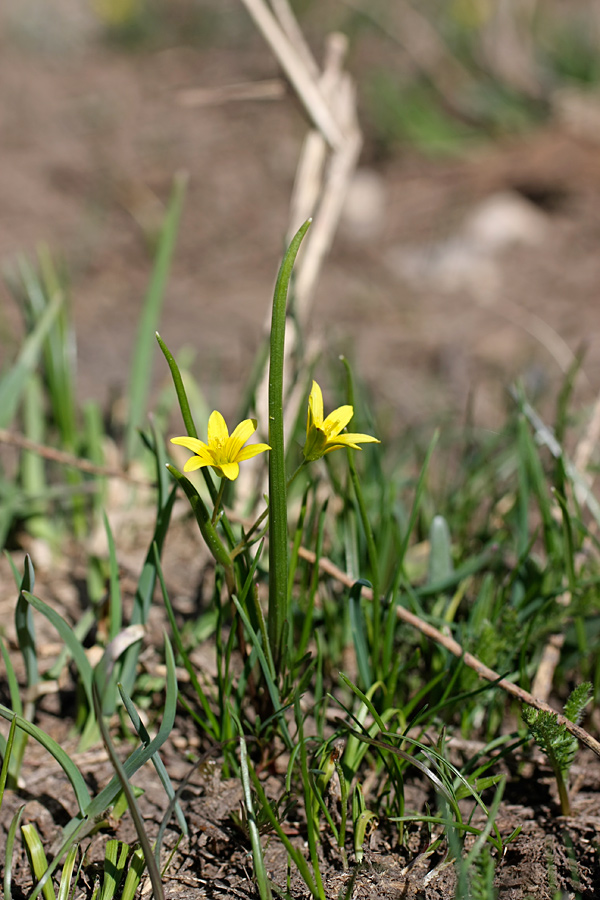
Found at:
[223, 451]
[323, 435]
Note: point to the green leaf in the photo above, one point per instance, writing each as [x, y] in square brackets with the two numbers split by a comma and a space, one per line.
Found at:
[37, 858]
[278, 525]
[55, 750]
[184, 405]
[8, 850]
[12, 383]
[115, 864]
[66, 876]
[24, 624]
[7, 746]
[156, 760]
[440, 554]
[260, 870]
[73, 644]
[134, 874]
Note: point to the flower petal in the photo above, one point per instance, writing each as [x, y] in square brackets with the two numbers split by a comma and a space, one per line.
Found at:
[218, 433]
[350, 440]
[196, 462]
[337, 420]
[191, 443]
[239, 437]
[358, 438]
[230, 470]
[315, 406]
[250, 451]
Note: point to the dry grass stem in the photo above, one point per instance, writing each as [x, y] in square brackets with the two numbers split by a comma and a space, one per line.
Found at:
[14, 439]
[269, 89]
[292, 63]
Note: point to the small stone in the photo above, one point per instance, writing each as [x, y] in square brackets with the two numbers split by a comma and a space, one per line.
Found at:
[504, 220]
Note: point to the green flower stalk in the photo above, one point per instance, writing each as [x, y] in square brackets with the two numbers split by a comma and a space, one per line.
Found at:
[324, 435]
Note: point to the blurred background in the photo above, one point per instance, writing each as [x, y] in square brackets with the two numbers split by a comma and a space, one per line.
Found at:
[467, 251]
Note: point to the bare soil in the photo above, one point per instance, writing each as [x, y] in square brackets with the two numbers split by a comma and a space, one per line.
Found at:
[92, 135]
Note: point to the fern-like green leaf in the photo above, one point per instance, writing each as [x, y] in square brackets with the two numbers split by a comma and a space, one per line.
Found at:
[578, 700]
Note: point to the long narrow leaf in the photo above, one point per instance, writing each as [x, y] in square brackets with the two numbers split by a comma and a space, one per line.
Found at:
[134, 811]
[260, 871]
[136, 868]
[37, 858]
[66, 876]
[78, 828]
[6, 755]
[266, 671]
[73, 644]
[24, 624]
[55, 750]
[12, 383]
[184, 405]
[115, 611]
[8, 850]
[278, 525]
[156, 760]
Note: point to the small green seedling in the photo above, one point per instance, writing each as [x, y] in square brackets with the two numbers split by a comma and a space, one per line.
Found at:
[364, 820]
[559, 745]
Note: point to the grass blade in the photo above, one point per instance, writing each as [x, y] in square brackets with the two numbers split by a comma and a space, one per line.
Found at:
[137, 865]
[115, 859]
[13, 382]
[278, 526]
[55, 750]
[64, 888]
[156, 760]
[8, 850]
[24, 625]
[73, 644]
[134, 811]
[6, 756]
[260, 871]
[37, 858]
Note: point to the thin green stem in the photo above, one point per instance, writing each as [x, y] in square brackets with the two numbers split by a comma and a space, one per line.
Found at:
[295, 474]
[563, 793]
[218, 500]
[278, 538]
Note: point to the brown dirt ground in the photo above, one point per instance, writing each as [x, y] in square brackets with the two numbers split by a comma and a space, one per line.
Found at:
[91, 135]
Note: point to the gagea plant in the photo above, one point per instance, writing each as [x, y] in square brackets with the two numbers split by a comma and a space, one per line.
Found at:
[223, 453]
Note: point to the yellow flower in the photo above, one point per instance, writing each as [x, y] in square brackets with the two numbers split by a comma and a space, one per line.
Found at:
[323, 435]
[223, 452]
